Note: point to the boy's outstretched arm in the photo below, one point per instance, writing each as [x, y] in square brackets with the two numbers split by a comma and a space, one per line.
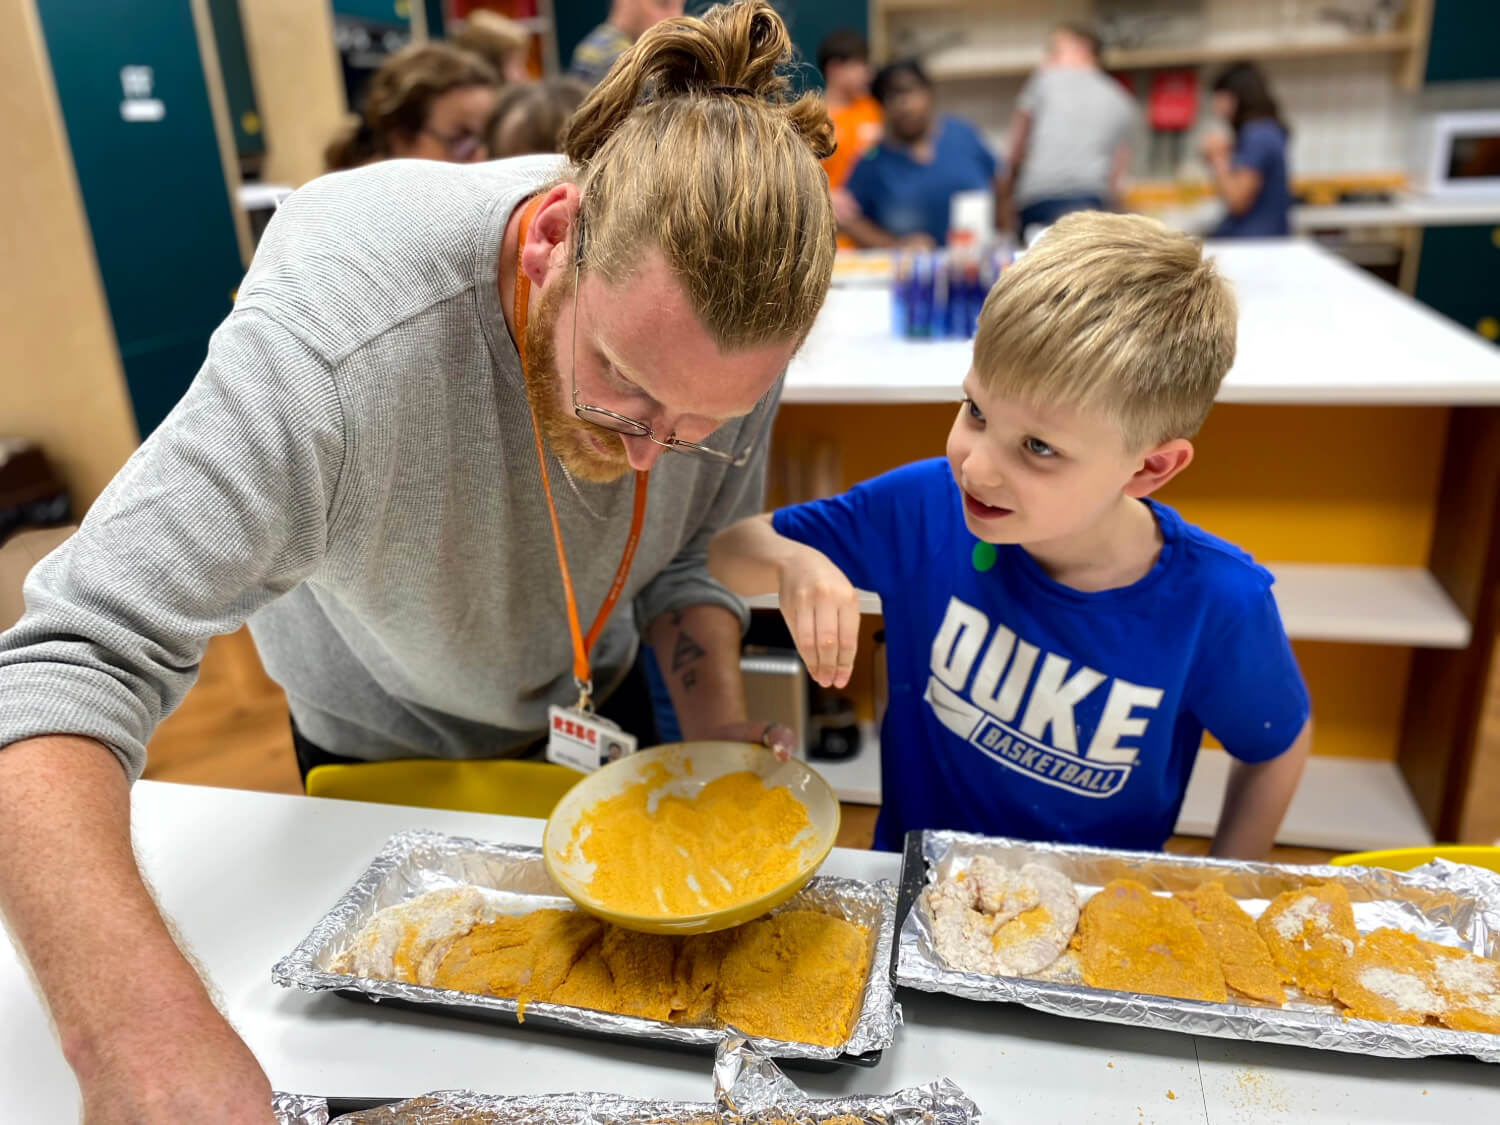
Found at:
[817, 600]
[1257, 799]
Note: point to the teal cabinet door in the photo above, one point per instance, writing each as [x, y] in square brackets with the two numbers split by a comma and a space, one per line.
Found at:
[1459, 276]
[1465, 43]
[135, 104]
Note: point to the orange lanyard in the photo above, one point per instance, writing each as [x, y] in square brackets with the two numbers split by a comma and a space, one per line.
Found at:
[582, 645]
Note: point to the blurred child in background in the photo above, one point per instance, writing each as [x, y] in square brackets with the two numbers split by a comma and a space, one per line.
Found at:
[628, 21]
[531, 115]
[1250, 172]
[1070, 144]
[432, 101]
[501, 42]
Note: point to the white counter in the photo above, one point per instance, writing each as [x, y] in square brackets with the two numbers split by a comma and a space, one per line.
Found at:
[1403, 211]
[1313, 329]
[246, 875]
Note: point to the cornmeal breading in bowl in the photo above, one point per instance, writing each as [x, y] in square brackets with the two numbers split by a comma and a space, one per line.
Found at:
[691, 837]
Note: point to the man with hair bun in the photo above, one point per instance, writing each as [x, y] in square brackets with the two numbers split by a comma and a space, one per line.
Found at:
[437, 381]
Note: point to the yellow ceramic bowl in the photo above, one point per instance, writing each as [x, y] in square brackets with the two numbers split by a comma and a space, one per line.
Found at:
[1404, 859]
[690, 766]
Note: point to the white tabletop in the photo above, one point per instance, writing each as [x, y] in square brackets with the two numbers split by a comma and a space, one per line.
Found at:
[246, 874]
[1313, 329]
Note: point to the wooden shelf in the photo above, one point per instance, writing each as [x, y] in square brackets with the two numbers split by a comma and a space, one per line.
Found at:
[923, 5]
[1349, 804]
[1184, 54]
[1390, 605]
[1379, 605]
[1188, 54]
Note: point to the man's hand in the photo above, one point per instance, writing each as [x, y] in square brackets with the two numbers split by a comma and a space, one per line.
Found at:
[133, 1018]
[778, 738]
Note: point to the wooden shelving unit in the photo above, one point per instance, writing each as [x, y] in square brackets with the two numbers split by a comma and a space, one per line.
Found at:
[1347, 603]
[1347, 804]
[1407, 46]
[1192, 54]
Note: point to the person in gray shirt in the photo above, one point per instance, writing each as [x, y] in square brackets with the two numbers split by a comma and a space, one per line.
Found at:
[1070, 142]
[361, 470]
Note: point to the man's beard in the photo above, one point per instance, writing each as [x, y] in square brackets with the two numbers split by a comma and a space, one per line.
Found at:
[568, 436]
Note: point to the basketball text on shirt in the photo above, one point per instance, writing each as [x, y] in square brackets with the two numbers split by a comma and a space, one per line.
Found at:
[982, 680]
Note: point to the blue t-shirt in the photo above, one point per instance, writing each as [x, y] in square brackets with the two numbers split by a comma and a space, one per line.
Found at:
[905, 196]
[1021, 707]
[1262, 147]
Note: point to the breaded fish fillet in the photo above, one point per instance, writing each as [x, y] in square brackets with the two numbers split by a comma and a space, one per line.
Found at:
[1471, 987]
[797, 975]
[1003, 922]
[526, 956]
[399, 942]
[1135, 941]
[1231, 934]
[1390, 977]
[1310, 933]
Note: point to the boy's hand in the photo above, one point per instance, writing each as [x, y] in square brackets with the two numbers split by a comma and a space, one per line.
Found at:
[822, 611]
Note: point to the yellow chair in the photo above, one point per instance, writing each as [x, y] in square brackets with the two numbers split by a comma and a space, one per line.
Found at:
[504, 786]
[1404, 859]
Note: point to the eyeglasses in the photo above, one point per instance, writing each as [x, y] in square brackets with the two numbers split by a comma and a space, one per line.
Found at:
[634, 427]
[461, 145]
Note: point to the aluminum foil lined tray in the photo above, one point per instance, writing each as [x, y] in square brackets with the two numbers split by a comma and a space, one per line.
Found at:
[414, 863]
[749, 1089]
[1454, 904]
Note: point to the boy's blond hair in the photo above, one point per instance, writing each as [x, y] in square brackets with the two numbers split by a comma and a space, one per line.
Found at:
[1114, 314]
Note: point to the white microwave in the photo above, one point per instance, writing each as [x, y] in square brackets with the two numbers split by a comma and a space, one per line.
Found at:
[1457, 155]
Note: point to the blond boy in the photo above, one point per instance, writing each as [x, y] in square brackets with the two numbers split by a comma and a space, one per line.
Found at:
[1058, 642]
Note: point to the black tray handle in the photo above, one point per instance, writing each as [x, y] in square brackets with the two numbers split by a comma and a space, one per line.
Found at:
[913, 879]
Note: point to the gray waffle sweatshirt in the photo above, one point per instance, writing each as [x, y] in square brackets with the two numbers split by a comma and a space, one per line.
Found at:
[353, 471]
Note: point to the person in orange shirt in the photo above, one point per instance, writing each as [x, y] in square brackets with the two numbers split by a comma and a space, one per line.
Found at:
[844, 59]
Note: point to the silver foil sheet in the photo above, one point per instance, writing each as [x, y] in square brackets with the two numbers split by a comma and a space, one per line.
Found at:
[749, 1089]
[1454, 904]
[414, 863]
[299, 1109]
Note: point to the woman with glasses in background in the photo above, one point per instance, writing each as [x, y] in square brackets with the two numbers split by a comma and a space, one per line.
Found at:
[431, 101]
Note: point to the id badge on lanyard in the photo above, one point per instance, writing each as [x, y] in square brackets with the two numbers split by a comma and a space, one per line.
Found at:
[583, 740]
[576, 736]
